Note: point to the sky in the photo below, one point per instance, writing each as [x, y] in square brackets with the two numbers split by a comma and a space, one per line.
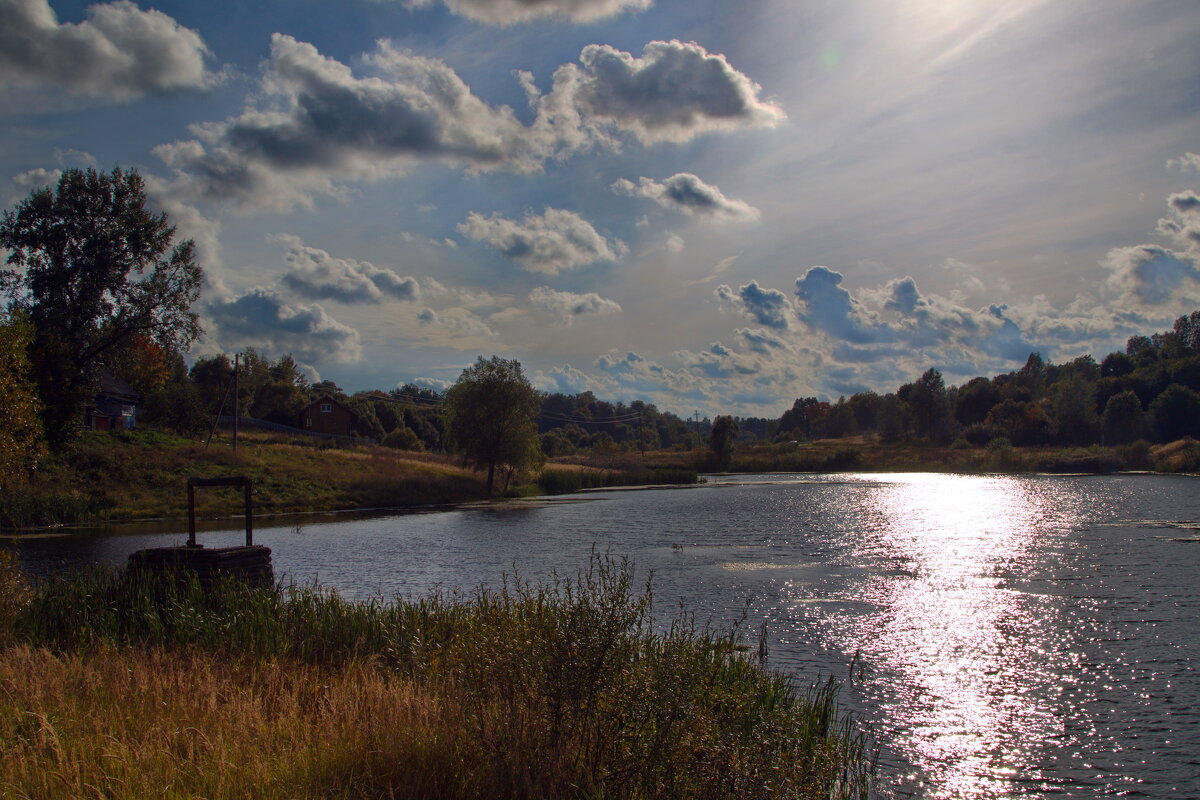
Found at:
[711, 206]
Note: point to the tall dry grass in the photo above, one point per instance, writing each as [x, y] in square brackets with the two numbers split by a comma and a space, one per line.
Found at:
[120, 688]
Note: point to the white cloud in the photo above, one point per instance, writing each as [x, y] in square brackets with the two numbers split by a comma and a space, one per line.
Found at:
[1150, 275]
[509, 12]
[551, 243]
[687, 193]
[569, 305]
[317, 275]
[119, 52]
[673, 92]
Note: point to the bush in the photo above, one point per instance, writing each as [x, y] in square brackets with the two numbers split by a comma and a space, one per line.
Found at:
[403, 438]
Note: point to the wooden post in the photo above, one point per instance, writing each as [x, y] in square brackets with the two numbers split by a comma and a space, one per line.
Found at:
[249, 515]
[237, 480]
[191, 513]
[237, 407]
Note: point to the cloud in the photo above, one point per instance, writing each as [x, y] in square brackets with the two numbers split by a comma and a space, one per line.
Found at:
[826, 306]
[316, 275]
[457, 327]
[770, 307]
[315, 125]
[760, 341]
[118, 53]
[565, 379]
[510, 12]
[674, 92]
[261, 318]
[1189, 162]
[556, 241]
[323, 123]
[687, 193]
[569, 305]
[1183, 225]
[1149, 274]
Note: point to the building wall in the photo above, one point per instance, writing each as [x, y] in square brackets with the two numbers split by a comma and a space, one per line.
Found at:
[336, 420]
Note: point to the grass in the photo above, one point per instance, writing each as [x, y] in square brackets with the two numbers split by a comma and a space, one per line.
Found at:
[113, 687]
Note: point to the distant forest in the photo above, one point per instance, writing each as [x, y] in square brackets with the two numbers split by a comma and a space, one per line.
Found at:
[1148, 392]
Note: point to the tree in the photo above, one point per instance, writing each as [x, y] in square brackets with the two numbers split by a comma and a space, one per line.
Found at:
[491, 414]
[94, 270]
[1124, 420]
[1176, 413]
[720, 441]
[21, 434]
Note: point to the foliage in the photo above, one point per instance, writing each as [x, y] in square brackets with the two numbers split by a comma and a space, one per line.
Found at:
[1124, 420]
[720, 442]
[491, 411]
[403, 439]
[96, 272]
[21, 441]
[1176, 413]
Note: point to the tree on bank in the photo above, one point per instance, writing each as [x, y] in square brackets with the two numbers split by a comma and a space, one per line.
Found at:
[492, 411]
[95, 271]
[720, 441]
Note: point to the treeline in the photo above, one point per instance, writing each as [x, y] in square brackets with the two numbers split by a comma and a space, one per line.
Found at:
[1147, 392]
[409, 417]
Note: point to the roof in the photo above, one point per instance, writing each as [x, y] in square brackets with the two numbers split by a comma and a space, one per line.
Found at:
[326, 398]
[110, 384]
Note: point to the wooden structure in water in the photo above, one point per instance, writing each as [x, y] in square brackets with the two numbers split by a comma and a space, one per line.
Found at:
[250, 562]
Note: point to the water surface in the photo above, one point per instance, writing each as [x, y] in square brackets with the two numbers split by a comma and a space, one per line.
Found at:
[1002, 636]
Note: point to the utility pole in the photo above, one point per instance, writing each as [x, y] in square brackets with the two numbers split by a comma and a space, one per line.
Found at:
[237, 410]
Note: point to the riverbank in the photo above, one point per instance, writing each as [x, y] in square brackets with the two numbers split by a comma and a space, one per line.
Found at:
[141, 475]
[127, 689]
[870, 454]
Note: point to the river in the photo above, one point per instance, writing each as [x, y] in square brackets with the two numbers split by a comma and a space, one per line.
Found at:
[1001, 636]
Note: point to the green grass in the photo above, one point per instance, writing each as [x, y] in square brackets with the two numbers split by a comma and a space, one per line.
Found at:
[564, 690]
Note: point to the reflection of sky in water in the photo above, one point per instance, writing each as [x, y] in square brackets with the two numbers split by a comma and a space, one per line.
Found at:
[1009, 637]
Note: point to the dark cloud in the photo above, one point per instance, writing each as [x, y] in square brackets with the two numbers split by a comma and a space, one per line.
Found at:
[509, 12]
[333, 124]
[672, 93]
[317, 275]
[262, 319]
[118, 53]
[687, 193]
[569, 305]
[769, 307]
[551, 243]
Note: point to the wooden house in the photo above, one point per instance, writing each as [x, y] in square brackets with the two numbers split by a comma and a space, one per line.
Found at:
[114, 406]
[327, 415]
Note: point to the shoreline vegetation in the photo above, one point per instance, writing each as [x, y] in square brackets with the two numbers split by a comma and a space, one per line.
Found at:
[138, 686]
[108, 477]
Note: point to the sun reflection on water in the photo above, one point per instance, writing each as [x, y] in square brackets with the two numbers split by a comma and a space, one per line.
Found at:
[965, 644]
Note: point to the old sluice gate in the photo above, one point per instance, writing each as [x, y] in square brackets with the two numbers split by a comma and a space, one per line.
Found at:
[251, 562]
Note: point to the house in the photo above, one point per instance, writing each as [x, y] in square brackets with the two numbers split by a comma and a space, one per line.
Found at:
[114, 406]
[327, 415]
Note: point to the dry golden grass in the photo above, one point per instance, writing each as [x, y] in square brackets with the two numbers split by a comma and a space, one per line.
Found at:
[191, 726]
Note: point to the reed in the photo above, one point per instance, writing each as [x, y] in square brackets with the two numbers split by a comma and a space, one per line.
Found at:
[118, 687]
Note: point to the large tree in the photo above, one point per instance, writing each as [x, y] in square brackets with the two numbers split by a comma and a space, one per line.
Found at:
[95, 270]
[491, 411]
